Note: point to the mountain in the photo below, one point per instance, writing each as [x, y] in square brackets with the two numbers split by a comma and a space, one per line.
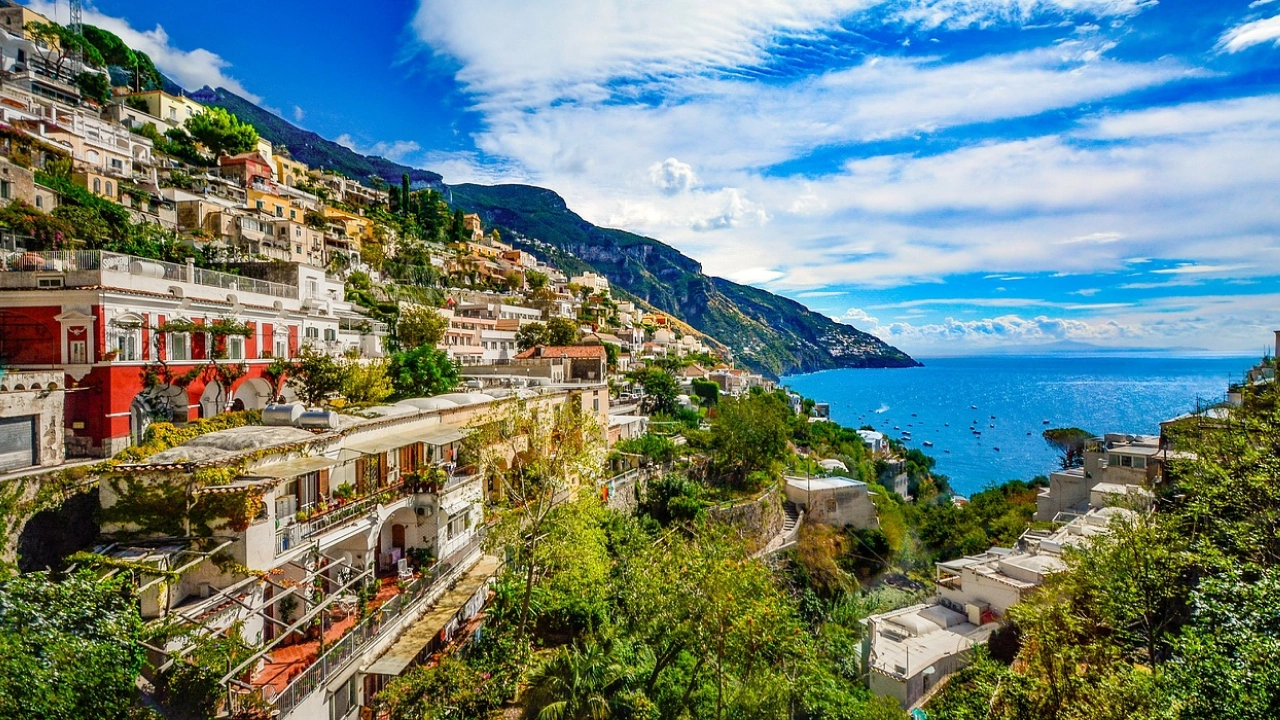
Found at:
[308, 147]
[766, 332]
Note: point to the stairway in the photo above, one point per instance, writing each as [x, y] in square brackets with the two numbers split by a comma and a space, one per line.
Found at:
[793, 517]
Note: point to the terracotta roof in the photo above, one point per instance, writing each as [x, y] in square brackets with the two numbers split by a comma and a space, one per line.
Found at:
[573, 352]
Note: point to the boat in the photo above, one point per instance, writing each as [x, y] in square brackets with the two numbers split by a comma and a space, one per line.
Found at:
[973, 407]
[996, 449]
[895, 427]
[928, 444]
[1044, 422]
[977, 432]
[947, 452]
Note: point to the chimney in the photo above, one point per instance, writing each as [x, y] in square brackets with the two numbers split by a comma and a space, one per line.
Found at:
[1277, 353]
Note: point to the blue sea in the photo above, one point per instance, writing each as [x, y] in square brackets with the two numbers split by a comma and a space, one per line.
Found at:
[1008, 399]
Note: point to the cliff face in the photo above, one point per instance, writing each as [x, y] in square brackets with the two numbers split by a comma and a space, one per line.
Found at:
[766, 332]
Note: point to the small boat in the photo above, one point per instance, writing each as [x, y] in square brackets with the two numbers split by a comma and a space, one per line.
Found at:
[895, 427]
[992, 426]
[977, 432]
[993, 417]
[946, 424]
[928, 444]
[1044, 422]
[996, 449]
[973, 407]
[913, 414]
[947, 452]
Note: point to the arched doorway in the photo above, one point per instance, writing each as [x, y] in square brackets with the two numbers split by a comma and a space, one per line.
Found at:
[162, 403]
[252, 394]
[214, 399]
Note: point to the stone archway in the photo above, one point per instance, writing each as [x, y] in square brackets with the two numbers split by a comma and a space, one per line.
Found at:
[251, 394]
[162, 403]
[214, 399]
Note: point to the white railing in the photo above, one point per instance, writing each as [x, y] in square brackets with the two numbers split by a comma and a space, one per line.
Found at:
[69, 261]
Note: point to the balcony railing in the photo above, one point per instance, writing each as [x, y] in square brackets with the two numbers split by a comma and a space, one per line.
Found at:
[101, 261]
[357, 641]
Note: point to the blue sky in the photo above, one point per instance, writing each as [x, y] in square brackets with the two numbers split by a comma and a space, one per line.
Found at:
[953, 175]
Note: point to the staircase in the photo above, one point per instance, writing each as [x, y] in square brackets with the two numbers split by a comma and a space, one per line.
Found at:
[793, 517]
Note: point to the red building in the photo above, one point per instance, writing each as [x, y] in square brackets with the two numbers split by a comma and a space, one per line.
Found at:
[129, 334]
[249, 169]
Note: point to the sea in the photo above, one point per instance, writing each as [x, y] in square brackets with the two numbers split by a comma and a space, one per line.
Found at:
[1011, 400]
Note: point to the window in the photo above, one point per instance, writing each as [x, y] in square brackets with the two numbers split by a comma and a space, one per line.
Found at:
[312, 333]
[97, 185]
[79, 352]
[109, 188]
[117, 164]
[39, 201]
[126, 345]
[173, 113]
[307, 488]
[282, 349]
[6, 191]
[343, 700]
[293, 214]
[261, 205]
[235, 347]
[178, 347]
[279, 211]
[330, 334]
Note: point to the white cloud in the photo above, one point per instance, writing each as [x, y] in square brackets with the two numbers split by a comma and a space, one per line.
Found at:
[1194, 269]
[755, 276]
[401, 151]
[734, 210]
[859, 317]
[672, 176]
[1251, 33]
[298, 113]
[192, 69]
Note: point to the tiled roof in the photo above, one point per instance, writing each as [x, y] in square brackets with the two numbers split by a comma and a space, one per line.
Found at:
[574, 352]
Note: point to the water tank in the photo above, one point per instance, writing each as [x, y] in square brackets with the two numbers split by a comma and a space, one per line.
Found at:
[281, 415]
[318, 420]
[146, 269]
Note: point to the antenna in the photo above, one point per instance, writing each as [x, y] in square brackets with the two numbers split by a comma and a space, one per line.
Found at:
[76, 26]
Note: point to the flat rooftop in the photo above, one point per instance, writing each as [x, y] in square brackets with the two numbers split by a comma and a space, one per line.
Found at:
[908, 641]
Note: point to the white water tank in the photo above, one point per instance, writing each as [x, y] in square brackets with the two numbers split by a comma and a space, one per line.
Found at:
[318, 420]
[281, 415]
[146, 269]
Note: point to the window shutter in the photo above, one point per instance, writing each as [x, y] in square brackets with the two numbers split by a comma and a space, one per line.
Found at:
[324, 482]
[382, 469]
[362, 485]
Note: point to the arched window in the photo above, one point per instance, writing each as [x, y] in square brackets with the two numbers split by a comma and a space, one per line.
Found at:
[97, 185]
[109, 193]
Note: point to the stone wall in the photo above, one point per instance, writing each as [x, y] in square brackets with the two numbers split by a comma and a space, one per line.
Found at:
[756, 521]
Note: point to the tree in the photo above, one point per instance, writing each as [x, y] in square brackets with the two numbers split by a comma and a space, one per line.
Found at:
[661, 391]
[366, 382]
[531, 335]
[405, 198]
[708, 391]
[1070, 442]
[316, 375]
[418, 325]
[68, 648]
[536, 280]
[56, 44]
[221, 132]
[750, 433]
[422, 372]
[611, 353]
[533, 457]
[561, 331]
[95, 86]
[581, 681]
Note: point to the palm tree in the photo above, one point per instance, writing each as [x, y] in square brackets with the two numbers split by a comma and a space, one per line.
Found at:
[578, 682]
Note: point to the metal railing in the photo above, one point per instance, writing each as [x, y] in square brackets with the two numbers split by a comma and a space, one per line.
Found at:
[357, 640]
[353, 510]
[69, 261]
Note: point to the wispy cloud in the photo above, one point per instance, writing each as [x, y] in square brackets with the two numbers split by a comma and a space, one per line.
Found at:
[1252, 33]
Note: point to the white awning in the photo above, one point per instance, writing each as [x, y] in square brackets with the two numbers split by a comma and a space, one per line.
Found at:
[292, 468]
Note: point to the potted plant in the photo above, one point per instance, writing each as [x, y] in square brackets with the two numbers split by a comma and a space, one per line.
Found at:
[110, 355]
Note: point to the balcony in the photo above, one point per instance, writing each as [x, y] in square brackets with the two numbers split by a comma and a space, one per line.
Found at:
[351, 643]
[338, 515]
[84, 268]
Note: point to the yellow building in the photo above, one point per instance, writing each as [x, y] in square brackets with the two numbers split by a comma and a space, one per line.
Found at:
[100, 185]
[172, 109]
[274, 205]
[14, 19]
[289, 171]
[359, 228]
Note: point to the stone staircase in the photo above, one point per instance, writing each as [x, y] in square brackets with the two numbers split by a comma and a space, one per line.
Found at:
[793, 517]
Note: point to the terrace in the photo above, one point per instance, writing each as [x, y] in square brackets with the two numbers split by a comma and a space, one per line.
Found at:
[88, 268]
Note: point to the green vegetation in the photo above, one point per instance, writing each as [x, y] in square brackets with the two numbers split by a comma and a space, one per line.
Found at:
[1173, 614]
[68, 648]
[220, 132]
[556, 332]
[422, 372]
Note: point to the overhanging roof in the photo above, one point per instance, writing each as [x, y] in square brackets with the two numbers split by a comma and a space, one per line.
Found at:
[293, 468]
[405, 650]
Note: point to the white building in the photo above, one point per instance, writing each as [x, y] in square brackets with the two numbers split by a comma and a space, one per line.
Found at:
[836, 501]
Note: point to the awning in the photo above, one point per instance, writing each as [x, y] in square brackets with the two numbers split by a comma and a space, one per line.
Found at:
[293, 468]
[443, 434]
[237, 486]
[383, 443]
[405, 650]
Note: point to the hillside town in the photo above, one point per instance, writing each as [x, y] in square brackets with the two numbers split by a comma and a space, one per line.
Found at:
[340, 449]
